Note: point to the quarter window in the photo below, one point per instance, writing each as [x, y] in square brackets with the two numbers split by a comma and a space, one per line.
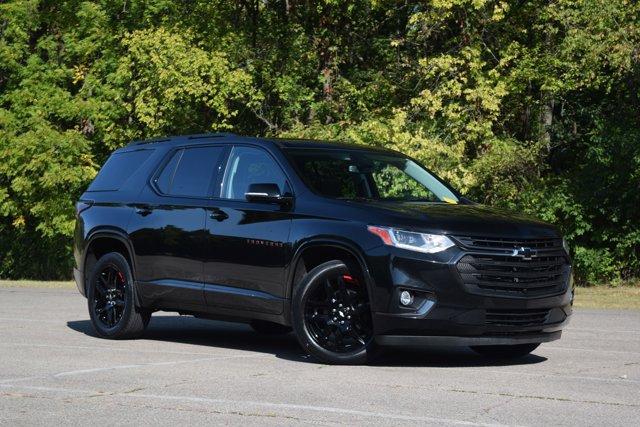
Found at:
[163, 182]
[118, 169]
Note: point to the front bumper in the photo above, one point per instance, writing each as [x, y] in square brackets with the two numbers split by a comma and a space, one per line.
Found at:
[448, 313]
[421, 341]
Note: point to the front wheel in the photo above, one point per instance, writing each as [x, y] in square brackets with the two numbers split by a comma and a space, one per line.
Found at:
[331, 315]
[111, 302]
[505, 351]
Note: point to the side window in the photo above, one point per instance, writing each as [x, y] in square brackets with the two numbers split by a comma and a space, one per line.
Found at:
[329, 176]
[163, 181]
[118, 168]
[248, 165]
[190, 172]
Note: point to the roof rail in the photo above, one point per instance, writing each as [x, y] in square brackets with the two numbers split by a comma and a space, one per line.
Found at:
[150, 141]
[211, 135]
[197, 136]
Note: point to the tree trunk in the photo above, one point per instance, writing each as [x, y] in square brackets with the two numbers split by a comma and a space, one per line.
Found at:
[546, 119]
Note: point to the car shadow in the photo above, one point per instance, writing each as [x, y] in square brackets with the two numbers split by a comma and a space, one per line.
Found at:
[238, 336]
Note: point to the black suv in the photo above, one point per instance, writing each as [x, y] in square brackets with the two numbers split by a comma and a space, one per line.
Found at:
[349, 246]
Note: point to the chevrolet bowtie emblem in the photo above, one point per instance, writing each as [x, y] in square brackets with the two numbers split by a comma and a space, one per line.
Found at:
[524, 253]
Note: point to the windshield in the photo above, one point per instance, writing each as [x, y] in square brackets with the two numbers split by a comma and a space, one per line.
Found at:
[352, 175]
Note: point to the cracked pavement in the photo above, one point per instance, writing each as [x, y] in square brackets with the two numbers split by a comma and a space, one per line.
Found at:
[53, 370]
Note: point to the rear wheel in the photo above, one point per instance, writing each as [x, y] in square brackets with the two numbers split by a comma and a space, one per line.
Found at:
[111, 302]
[331, 315]
[505, 351]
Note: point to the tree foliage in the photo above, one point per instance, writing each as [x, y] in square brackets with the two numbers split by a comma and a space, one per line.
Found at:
[528, 105]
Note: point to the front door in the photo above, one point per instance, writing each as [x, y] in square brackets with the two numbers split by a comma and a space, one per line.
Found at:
[247, 242]
[168, 228]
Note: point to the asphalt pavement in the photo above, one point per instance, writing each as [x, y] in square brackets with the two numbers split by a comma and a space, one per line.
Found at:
[54, 370]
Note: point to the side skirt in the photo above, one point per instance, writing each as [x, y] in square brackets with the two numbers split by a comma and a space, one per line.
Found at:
[211, 301]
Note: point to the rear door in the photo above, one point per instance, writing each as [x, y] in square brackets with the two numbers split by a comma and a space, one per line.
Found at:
[168, 227]
[247, 242]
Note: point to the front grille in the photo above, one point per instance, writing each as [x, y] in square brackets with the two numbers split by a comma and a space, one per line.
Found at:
[498, 243]
[516, 317]
[499, 270]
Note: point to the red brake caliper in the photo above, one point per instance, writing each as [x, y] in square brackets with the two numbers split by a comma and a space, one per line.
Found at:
[348, 279]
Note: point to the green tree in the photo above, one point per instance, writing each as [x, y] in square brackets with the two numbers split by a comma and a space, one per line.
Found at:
[531, 106]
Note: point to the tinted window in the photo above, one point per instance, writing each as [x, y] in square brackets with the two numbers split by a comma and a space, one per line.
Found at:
[248, 165]
[190, 172]
[164, 179]
[118, 168]
[346, 174]
[329, 176]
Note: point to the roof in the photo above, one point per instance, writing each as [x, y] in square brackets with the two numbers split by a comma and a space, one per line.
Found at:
[310, 143]
[280, 142]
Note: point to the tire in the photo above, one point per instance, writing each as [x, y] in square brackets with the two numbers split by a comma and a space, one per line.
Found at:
[269, 328]
[110, 299]
[345, 341]
[505, 351]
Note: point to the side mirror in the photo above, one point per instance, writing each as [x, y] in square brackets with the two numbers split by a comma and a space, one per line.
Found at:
[267, 193]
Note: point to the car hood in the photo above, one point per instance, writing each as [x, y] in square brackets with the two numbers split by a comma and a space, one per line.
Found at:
[462, 220]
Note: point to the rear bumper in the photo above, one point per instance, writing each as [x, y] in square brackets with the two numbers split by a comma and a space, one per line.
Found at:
[421, 341]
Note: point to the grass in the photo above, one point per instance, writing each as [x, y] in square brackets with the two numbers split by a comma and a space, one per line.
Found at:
[620, 297]
[41, 284]
[613, 297]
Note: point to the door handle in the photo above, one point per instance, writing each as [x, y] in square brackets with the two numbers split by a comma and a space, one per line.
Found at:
[143, 210]
[218, 215]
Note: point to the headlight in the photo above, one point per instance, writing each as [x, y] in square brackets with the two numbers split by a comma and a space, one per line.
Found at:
[420, 242]
[565, 245]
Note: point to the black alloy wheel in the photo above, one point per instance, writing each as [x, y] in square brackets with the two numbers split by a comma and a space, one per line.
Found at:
[110, 297]
[332, 315]
[337, 314]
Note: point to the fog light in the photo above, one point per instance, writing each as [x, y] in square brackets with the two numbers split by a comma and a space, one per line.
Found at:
[406, 298]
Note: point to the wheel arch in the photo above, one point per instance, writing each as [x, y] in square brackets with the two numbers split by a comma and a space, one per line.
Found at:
[314, 247]
[102, 241]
